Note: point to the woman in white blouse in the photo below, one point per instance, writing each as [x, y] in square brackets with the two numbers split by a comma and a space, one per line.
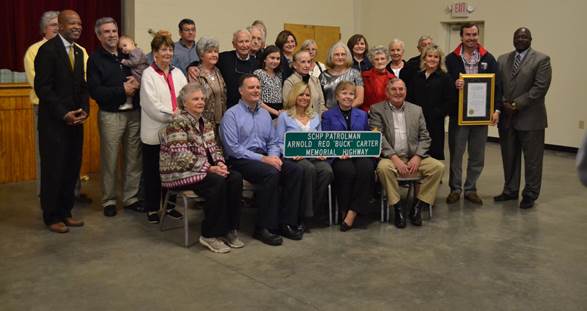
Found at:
[160, 85]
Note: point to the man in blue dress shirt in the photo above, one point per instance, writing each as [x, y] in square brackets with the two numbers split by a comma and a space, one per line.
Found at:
[251, 148]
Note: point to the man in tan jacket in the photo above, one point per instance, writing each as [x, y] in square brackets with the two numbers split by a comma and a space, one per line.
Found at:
[404, 152]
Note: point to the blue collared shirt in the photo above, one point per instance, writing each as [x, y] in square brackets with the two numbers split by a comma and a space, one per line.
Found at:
[183, 56]
[248, 133]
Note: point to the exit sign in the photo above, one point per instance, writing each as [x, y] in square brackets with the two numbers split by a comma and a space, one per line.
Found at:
[460, 9]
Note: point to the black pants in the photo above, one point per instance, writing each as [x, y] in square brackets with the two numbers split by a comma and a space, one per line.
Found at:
[267, 181]
[151, 178]
[60, 148]
[222, 208]
[353, 183]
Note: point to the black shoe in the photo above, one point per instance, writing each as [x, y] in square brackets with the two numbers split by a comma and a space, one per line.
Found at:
[344, 227]
[153, 217]
[110, 210]
[173, 213]
[416, 213]
[83, 199]
[136, 206]
[267, 237]
[399, 218]
[504, 197]
[303, 228]
[526, 203]
[291, 232]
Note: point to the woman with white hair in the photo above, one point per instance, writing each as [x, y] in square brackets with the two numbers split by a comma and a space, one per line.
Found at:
[339, 62]
[396, 51]
[376, 78]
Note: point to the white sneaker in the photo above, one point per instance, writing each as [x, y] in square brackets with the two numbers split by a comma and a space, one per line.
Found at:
[233, 240]
[214, 244]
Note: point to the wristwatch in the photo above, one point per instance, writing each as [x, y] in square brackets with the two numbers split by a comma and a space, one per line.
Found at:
[514, 106]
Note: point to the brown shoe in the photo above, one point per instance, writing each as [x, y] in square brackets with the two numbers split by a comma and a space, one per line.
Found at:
[473, 198]
[453, 197]
[58, 227]
[70, 222]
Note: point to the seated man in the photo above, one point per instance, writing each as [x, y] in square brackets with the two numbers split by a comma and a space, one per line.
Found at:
[251, 149]
[405, 143]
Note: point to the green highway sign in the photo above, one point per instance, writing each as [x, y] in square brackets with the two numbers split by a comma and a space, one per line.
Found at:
[332, 144]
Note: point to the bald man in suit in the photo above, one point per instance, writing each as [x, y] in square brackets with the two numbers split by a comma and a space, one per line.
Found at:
[63, 108]
[526, 75]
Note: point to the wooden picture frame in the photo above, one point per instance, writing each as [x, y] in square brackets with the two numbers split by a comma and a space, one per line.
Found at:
[477, 99]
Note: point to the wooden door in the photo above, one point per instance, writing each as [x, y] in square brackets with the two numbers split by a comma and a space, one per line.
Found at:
[325, 36]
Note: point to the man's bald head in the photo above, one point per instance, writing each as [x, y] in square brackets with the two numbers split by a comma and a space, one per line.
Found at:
[522, 39]
[70, 25]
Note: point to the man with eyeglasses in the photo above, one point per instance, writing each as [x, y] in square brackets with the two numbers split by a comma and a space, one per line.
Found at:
[234, 64]
[184, 52]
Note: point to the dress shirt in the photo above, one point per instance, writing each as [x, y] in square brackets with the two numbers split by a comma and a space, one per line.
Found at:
[471, 67]
[248, 133]
[399, 128]
[522, 55]
[183, 56]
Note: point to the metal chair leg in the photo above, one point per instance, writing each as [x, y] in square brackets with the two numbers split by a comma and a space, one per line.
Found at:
[186, 222]
[329, 205]
[162, 211]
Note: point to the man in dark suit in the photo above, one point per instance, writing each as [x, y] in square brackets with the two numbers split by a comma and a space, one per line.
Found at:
[63, 108]
[526, 76]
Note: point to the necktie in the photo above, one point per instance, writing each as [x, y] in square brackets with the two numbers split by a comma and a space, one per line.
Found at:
[71, 57]
[517, 62]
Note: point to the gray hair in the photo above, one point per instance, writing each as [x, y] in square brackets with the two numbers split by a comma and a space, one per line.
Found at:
[236, 33]
[103, 21]
[400, 42]
[380, 49]
[330, 56]
[263, 34]
[424, 37]
[46, 18]
[306, 44]
[188, 89]
[206, 44]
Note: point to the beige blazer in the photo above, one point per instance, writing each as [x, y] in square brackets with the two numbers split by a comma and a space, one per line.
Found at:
[381, 119]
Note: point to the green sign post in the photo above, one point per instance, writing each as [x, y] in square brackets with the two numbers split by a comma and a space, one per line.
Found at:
[332, 144]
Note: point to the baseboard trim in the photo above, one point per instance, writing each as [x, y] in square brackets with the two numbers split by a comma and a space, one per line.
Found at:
[546, 146]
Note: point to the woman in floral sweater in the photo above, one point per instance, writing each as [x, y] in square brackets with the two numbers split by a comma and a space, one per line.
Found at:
[190, 159]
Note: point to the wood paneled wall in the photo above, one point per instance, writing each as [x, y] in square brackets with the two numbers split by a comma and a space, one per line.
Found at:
[17, 136]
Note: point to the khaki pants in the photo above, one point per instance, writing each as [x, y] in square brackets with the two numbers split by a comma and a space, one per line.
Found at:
[430, 169]
[116, 129]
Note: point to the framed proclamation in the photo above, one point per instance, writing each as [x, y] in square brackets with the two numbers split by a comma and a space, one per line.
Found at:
[476, 99]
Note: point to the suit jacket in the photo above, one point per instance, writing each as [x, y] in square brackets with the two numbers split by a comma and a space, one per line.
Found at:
[333, 120]
[527, 88]
[381, 119]
[60, 89]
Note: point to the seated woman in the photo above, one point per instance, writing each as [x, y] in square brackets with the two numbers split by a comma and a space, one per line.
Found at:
[190, 159]
[432, 90]
[211, 79]
[316, 67]
[359, 47]
[376, 78]
[353, 176]
[339, 62]
[301, 65]
[301, 117]
[269, 75]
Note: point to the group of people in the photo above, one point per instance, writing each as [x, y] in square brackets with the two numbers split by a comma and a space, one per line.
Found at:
[195, 118]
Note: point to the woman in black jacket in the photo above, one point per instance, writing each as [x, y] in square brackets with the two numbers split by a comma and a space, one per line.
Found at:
[431, 88]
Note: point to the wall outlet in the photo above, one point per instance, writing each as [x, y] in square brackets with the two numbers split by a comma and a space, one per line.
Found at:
[581, 124]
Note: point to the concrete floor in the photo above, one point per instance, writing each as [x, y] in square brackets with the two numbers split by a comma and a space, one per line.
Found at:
[494, 257]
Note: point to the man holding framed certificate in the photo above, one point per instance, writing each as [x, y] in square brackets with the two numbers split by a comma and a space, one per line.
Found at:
[479, 94]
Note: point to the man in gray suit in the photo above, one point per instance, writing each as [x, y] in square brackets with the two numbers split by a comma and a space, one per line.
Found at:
[405, 142]
[526, 76]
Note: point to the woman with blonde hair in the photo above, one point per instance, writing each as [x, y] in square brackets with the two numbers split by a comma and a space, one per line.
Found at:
[339, 62]
[431, 88]
[316, 67]
[299, 116]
